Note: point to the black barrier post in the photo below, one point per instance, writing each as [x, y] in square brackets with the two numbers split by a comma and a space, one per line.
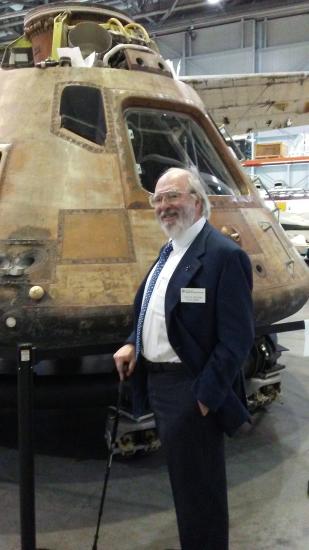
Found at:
[25, 362]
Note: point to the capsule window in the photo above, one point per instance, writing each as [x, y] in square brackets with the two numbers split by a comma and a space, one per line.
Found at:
[163, 139]
[81, 111]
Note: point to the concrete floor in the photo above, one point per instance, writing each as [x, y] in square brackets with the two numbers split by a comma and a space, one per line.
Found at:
[268, 471]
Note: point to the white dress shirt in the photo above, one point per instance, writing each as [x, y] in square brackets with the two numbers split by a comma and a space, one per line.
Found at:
[156, 346]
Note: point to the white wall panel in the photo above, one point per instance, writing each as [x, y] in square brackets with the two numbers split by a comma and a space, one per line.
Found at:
[217, 39]
[299, 176]
[249, 35]
[269, 60]
[288, 30]
[272, 45]
[285, 58]
[291, 175]
[171, 46]
[232, 62]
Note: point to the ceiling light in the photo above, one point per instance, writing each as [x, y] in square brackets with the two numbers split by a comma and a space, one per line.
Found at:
[213, 1]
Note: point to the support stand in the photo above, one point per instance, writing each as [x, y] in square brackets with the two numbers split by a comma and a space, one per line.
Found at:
[25, 361]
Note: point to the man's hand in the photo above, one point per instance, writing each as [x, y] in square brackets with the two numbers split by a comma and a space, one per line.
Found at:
[204, 410]
[125, 360]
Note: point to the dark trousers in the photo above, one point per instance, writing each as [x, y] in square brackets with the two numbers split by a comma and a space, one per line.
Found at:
[194, 447]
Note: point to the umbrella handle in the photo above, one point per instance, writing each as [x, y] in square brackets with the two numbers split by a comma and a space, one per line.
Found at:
[109, 461]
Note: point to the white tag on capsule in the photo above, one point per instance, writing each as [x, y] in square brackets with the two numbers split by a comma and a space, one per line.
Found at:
[193, 295]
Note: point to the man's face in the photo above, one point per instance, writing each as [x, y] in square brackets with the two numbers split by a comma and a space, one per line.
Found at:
[175, 215]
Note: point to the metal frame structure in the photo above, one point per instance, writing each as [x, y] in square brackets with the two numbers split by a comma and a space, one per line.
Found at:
[161, 15]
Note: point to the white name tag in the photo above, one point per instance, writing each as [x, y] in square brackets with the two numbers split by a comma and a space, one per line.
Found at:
[193, 295]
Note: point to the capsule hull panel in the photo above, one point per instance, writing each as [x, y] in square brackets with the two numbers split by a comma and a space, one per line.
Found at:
[75, 220]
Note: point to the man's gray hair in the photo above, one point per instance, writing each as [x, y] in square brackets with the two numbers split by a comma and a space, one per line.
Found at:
[196, 184]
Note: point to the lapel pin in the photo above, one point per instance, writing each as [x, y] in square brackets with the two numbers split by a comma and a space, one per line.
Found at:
[187, 268]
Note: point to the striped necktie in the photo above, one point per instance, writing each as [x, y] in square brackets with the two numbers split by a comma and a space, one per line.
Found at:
[165, 252]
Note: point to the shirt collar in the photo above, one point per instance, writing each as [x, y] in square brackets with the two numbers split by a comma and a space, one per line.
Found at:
[188, 236]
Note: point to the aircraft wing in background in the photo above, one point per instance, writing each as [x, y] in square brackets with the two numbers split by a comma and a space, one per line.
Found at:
[254, 102]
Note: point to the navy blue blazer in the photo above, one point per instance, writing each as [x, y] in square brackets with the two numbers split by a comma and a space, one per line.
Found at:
[213, 339]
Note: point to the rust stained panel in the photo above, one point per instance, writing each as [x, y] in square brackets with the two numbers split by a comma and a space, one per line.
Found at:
[135, 196]
[236, 221]
[95, 236]
[107, 284]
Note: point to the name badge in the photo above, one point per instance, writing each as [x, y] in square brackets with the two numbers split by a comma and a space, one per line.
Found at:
[193, 295]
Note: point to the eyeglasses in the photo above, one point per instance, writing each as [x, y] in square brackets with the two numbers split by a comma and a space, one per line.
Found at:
[170, 197]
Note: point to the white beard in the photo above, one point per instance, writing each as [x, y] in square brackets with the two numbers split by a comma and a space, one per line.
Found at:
[184, 220]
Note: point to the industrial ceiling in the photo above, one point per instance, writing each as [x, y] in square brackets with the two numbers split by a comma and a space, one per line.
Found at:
[160, 16]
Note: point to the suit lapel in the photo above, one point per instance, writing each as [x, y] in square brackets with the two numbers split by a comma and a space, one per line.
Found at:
[189, 264]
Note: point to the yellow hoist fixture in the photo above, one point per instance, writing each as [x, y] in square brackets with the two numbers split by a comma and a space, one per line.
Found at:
[114, 25]
[135, 29]
[58, 34]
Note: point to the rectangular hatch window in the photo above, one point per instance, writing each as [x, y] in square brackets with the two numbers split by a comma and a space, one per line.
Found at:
[162, 139]
[81, 111]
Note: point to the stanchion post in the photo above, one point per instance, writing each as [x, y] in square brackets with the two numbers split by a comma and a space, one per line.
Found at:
[25, 363]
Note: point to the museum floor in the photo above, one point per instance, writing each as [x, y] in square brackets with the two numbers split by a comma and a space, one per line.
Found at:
[268, 471]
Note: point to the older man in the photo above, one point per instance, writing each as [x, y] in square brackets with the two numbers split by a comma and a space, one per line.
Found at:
[194, 329]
